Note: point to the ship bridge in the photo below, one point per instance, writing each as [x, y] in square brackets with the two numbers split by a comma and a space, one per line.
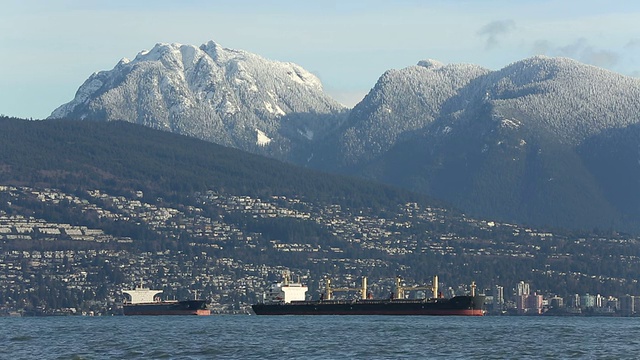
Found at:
[141, 295]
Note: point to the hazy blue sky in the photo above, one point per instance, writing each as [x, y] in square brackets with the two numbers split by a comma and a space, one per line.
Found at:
[49, 47]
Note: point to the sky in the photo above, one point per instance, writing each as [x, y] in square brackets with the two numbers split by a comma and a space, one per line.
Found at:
[48, 48]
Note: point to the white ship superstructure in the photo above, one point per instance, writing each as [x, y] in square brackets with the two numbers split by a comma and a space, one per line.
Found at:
[285, 292]
[142, 295]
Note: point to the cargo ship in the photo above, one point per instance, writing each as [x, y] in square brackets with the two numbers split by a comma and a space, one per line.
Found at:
[143, 301]
[288, 298]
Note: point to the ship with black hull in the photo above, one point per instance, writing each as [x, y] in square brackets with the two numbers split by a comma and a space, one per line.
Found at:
[287, 298]
[144, 301]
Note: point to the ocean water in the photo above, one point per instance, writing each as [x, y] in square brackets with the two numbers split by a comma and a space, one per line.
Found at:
[319, 337]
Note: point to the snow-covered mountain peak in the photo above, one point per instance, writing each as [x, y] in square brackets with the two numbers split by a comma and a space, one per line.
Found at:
[559, 96]
[156, 53]
[490, 141]
[430, 64]
[563, 96]
[207, 91]
[215, 50]
[539, 68]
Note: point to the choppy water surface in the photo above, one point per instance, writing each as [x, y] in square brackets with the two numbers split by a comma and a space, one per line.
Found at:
[318, 337]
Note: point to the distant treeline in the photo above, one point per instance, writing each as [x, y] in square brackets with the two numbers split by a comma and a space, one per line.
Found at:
[123, 157]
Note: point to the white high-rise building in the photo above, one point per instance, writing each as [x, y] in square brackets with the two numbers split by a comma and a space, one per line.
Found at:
[522, 288]
[498, 298]
[627, 305]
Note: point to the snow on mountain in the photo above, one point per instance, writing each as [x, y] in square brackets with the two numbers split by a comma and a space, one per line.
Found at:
[557, 96]
[227, 96]
[534, 142]
[564, 97]
[545, 141]
[402, 101]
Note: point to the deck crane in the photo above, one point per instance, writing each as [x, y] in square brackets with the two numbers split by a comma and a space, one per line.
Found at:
[328, 293]
[400, 290]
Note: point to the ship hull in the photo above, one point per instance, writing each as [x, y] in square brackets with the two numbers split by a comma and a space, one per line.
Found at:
[187, 307]
[459, 305]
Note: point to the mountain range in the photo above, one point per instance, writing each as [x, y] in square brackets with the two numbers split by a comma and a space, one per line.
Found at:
[543, 141]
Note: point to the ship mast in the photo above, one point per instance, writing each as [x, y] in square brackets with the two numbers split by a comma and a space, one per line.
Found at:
[327, 289]
[363, 290]
[399, 289]
[434, 286]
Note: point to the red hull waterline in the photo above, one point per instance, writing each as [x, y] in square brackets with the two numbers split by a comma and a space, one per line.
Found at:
[466, 312]
[199, 312]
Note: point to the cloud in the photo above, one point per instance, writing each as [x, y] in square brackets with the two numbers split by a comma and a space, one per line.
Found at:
[495, 29]
[574, 49]
[602, 58]
[541, 47]
[633, 44]
[580, 50]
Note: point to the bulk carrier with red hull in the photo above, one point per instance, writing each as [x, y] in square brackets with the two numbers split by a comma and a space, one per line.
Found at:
[288, 299]
[143, 301]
